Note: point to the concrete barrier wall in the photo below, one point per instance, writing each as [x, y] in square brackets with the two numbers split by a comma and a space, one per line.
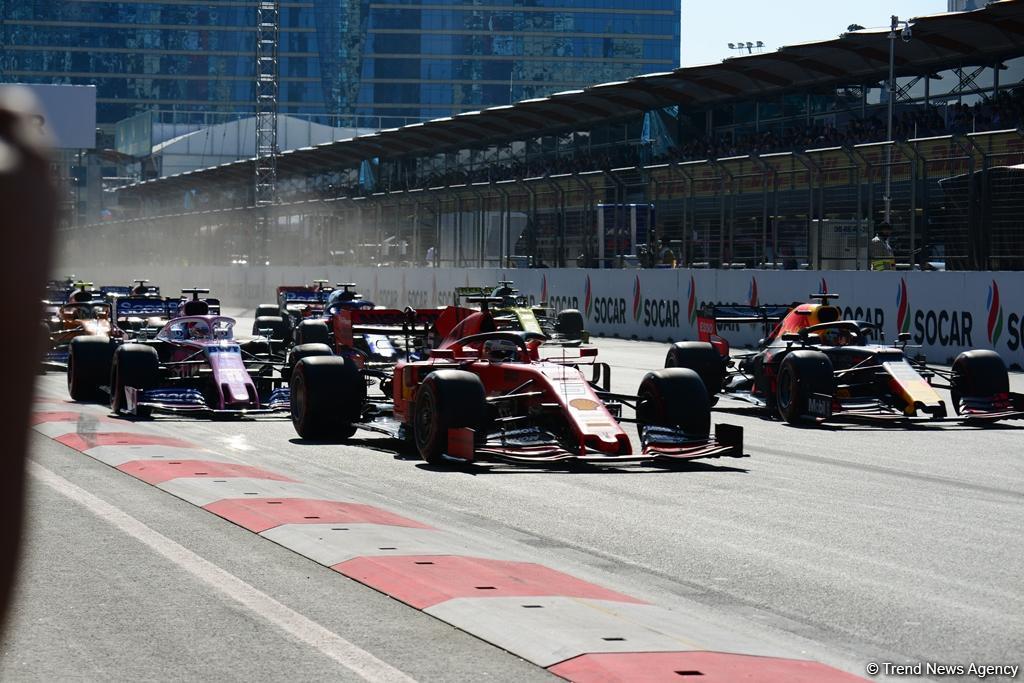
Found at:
[944, 312]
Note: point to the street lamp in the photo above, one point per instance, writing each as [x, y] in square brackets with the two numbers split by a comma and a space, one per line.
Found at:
[904, 30]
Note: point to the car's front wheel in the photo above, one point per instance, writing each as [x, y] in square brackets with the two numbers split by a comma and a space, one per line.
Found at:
[137, 366]
[447, 399]
[802, 374]
[327, 396]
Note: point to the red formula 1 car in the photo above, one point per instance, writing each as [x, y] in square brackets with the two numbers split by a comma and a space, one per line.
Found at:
[813, 366]
[487, 394]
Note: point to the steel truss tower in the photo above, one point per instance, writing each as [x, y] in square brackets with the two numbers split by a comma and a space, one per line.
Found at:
[268, 14]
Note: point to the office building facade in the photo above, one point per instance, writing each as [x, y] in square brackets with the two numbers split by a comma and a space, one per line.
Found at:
[342, 62]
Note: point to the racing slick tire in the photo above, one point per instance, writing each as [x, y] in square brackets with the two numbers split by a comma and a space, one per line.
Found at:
[327, 396]
[89, 359]
[677, 398]
[303, 351]
[256, 347]
[135, 365]
[275, 324]
[312, 332]
[267, 311]
[802, 373]
[447, 399]
[569, 324]
[977, 374]
[702, 358]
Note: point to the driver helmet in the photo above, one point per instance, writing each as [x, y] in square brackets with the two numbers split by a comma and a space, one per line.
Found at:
[339, 296]
[500, 350]
[837, 337]
[198, 330]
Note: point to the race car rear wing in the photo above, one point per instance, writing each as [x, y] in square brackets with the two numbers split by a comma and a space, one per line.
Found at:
[141, 307]
[349, 322]
[176, 307]
[302, 294]
[507, 300]
[709, 317]
[118, 290]
[461, 293]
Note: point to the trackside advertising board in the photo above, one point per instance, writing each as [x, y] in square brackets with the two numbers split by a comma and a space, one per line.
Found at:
[944, 312]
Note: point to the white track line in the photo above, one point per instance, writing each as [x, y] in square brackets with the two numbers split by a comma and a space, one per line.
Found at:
[288, 620]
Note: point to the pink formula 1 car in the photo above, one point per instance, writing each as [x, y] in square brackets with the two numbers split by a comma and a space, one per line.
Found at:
[193, 365]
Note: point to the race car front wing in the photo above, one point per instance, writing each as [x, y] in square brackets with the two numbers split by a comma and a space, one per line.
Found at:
[660, 446]
[192, 401]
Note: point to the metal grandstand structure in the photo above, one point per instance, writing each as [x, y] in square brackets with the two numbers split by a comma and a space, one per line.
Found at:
[943, 40]
[756, 210]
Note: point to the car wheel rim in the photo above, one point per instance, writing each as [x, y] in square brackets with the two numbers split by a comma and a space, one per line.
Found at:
[297, 401]
[424, 421]
[644, 408]
[785, 390]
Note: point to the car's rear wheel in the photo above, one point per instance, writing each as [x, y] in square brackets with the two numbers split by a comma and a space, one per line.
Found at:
[801, 374]
[267, 310]
[327, 396]
[272, 326]
[570, 324]
[447, 399]
[702, 358]
[674, 397]
[979, 374]
[312, 332]
[135, 365]
[89, 360]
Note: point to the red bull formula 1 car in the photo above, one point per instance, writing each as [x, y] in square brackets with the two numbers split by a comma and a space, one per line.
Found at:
[813, 366]
[488, 394]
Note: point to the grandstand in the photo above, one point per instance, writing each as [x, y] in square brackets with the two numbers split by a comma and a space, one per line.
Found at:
[775, 160]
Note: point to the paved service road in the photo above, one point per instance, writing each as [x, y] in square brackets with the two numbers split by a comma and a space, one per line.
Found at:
[843, 545]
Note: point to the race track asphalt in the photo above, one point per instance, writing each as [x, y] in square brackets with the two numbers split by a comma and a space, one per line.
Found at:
[847, 544]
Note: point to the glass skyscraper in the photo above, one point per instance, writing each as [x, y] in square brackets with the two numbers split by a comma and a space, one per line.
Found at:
[347, 62]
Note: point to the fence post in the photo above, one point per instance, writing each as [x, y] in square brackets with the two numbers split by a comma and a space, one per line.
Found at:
[590, 225]
[504, 241]
[765, 174]
[620, 198]
[813, 170]
[560, 223]
[721, 193]
[684, 236]
[531, 221]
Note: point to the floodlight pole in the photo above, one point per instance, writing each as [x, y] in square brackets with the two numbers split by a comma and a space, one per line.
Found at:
[896, 24]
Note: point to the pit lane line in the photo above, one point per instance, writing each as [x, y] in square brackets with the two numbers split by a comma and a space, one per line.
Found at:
[327, 642]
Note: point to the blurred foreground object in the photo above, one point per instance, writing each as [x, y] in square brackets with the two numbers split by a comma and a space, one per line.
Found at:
[29, 199]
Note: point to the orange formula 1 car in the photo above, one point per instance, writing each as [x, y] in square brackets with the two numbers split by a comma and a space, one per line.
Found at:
[84, 313]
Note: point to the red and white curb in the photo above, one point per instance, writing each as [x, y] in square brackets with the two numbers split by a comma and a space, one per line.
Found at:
[575, 629]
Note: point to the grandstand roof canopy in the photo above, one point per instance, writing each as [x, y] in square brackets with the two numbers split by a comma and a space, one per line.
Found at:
[941, 41]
